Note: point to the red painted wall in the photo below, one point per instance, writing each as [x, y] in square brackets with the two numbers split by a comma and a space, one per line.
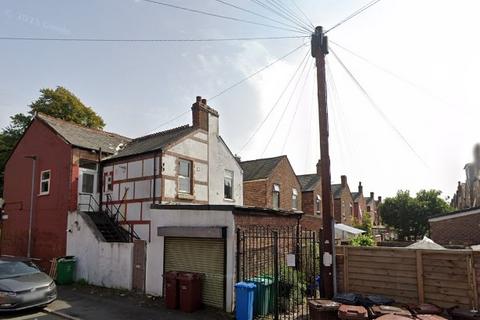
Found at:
[50, 211]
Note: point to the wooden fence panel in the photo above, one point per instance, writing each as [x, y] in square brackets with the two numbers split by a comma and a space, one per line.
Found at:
[446, 278]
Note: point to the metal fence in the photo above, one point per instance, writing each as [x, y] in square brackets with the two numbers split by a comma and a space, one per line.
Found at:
[285, 264]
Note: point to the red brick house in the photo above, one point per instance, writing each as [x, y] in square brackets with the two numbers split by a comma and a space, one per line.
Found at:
[342, 202]
[359, 204]
[271, 183]
[50, 166]
[456, 228]
[372, 208]
[311, 185]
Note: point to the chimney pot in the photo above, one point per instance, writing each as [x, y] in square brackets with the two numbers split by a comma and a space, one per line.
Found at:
[319, 167]
[379, 199]
[204, 101]
[360, 187]
[372, 195]
[199, 98]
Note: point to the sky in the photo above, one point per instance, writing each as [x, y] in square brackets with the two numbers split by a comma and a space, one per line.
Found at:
[416, 60]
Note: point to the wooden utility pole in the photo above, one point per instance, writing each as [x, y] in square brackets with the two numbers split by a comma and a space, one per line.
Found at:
[319, 50]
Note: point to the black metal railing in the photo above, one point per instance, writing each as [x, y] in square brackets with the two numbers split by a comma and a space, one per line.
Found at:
[113, 216]
[285, 265]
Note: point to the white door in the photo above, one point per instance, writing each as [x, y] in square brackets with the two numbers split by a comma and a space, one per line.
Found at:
[87, 190]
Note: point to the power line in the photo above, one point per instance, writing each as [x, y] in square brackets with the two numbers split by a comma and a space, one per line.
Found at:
[256, 72]
[375, 106]
[257, 14]
[297, 107]
[223, 91]
[356, 13]
[148, 40]
[391, 73]
[217, 15]
[280, 14]
[303, 13]
[280, 6]
[274, 105]
[169, 121]
[285, 109]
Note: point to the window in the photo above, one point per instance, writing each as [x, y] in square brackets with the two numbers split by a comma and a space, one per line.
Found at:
[294, 198]
[45, 182]
[88, 179]
[228, 185]
[318, 203]
[108, 182]
[185, 176]
[276, 196]
[368, 209]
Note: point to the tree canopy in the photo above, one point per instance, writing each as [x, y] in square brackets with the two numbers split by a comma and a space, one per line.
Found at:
[59, 103]
[409, 215]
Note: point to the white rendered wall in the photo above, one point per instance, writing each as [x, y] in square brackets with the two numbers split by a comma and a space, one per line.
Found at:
[106, 264]
[220, 159]
[187, 218]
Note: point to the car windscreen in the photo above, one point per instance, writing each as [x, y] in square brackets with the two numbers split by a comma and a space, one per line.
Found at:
[10, 269]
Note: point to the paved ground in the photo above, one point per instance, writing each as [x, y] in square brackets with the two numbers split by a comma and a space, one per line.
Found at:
[85, 302]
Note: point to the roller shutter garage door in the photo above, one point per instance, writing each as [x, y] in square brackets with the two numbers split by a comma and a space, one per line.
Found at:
[199, 255]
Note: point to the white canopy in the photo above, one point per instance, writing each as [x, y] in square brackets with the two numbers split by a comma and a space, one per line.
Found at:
[426, 243]
[348, 229]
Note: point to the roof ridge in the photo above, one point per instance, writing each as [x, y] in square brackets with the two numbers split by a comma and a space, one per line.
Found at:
[307, 174]
[185, 126]
[282, 156]
[41, 114]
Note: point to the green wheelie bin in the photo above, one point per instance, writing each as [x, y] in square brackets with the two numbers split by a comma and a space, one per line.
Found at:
[262, 295]
[66, 269]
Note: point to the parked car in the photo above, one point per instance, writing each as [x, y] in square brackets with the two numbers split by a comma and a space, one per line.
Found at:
[23, 285]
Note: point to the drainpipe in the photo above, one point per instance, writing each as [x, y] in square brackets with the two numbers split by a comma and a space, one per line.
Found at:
[154, 177]
[30, 218]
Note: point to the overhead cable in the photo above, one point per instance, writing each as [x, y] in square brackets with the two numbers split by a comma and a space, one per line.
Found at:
[376, 107]
[211, 14]
[254, 133]
[256, 72]
[356, 13]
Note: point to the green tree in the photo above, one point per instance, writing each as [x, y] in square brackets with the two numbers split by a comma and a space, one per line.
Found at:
[61, 103]
[409, 215]
[58, 103]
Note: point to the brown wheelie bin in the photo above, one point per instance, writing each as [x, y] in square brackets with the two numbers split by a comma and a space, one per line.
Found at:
[347, 312]
[171, 290]
[190, 291]
[321, 309]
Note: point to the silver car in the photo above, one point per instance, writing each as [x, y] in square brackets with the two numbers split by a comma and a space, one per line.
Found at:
[23, 285]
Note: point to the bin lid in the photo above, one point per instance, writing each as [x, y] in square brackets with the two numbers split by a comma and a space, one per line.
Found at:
[324, 304]
[265, 280]
[247, 285]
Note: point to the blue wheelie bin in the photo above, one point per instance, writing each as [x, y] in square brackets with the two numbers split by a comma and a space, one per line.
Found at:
[244, 300]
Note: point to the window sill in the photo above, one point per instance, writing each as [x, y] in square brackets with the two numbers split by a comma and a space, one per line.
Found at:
[43, 194]
[185, 196]
[228, 200]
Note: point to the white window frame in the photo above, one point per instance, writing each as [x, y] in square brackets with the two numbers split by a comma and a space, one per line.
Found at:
[42, 180]
[294, 199]
[276, 193]
[318, 202]
[189, 177]
[228, 175]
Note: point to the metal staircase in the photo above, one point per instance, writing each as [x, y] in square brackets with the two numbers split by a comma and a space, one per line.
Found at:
[107, 221]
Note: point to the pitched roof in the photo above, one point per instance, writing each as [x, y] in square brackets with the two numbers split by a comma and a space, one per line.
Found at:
[337, 190]
[356, 196]
[84, 137]
[308, 182]
[259, 168]
[369, 199]
[153, 142]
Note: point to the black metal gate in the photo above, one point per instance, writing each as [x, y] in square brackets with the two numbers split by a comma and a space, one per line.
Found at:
[285, 264]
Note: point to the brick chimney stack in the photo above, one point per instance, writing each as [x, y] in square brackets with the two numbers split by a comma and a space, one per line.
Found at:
[372, 195]
[200, 114]
[379, 199]
[360, 187]
[319, 167]
[344, 181]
